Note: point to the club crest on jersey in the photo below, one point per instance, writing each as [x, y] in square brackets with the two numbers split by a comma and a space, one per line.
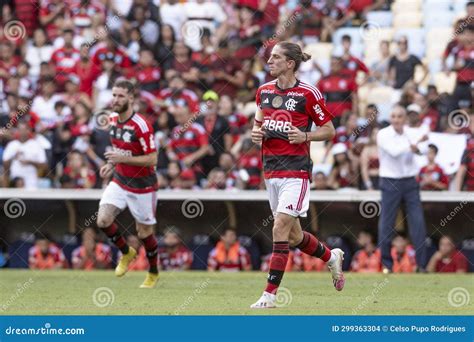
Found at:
[127, 137]
[277, 101]
[290, 104]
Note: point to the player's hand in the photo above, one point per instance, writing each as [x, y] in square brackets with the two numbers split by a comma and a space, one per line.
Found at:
[296, 136]
[115, 157]
[258, 133]
[106, 170]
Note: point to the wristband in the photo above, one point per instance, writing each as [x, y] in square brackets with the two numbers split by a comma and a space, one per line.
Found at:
[258, 122]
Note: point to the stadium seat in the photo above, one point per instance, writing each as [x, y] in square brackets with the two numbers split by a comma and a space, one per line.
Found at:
[407, 20]
[253, 249]
[18, 254]
[200, 246]
[406, 6]
[380, 18]
[439, 36]
[467, 248]
[319, 50]
[441, 5]
[459, 7]
[437, 18]
[336, 241]
[384, 98]
[445, 83]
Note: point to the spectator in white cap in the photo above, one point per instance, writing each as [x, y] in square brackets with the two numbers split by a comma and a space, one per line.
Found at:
[343, 173]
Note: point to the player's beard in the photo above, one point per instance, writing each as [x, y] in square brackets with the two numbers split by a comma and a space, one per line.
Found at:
[121, 109]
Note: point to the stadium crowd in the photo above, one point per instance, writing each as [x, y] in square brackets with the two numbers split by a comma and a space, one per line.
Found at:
[230, 253]
[197, 66]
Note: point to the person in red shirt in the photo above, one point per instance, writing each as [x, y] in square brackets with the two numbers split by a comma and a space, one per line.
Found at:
[51, 14]
[147, 73]
[464, 179]
[177, 95]
[110, 49]
[403, 255]
[86, 70]
[250, 162]
[184, 65]
[286, 111]
[174, 256]
[432, 176]
[8, 61]
[77, 174]
[340, 91]
[333, 18]
[358, 9]
[131, 163]
[447, 259]
[189, 142]
[65, 58]
[237, 122]
[91, 254]
[229, 255]
[464, 66]
[309, 21]
[368, 259]
[351, 64]
[429, 115]
[45, 255]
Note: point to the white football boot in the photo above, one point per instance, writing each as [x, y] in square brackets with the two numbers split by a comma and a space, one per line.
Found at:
[266, 301]
[335, 266]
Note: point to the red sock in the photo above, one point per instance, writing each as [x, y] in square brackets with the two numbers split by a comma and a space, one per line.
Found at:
[151, 248]
[114, 235]
[312, 246]
[277, 265]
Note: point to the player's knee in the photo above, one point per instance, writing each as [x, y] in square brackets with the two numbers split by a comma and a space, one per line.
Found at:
[280, 230]
[104, 222]
[143, 232]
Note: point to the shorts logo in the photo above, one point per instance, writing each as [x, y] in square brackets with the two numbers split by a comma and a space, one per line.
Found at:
[290, 207]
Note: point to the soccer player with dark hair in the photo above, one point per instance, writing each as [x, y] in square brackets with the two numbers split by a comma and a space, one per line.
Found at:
[287, 109]
[134, 183]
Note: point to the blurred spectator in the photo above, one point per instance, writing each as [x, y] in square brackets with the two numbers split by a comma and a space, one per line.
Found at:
[397, 146]
[447, 258]
[51, 16]
[8, 60]
[184, 65]
[102, 87]
[177, 178]
[369, 163]
[228, 255]
[368, 258]
[402, 65]
[91, 255]
[65, 58]
[39, 51]
[333, 18]
[464, 179]
[189, 142]
[172, 13]
[343, 173]
[351, 64]
[44, 105]
[73, 94]
[309, 22]
[429, 115]
[217, 129]
[250, 165]
[77, 174]
[432, 176]
[147, 73]
[237, 122]
[310, 263]
[23, 157]
[45, 255]
[403, 255]
[379, 69]
[111, 50]
[358, 9]
[340, 91]
[177, 95]
[149, 29]
[174, 256]
[320, 181]
[164, 47]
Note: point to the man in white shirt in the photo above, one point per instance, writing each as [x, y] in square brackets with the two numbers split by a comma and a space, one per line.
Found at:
[397, 146]
[23, 158]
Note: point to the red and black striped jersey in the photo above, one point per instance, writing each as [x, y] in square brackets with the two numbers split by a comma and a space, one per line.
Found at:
[298, 106]
[133, 137]
[468, 161]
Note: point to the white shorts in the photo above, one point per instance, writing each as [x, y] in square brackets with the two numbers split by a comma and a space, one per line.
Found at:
[288, 195]
[142, 206]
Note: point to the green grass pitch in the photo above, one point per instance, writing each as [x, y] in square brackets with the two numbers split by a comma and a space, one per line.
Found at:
[67, 292]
